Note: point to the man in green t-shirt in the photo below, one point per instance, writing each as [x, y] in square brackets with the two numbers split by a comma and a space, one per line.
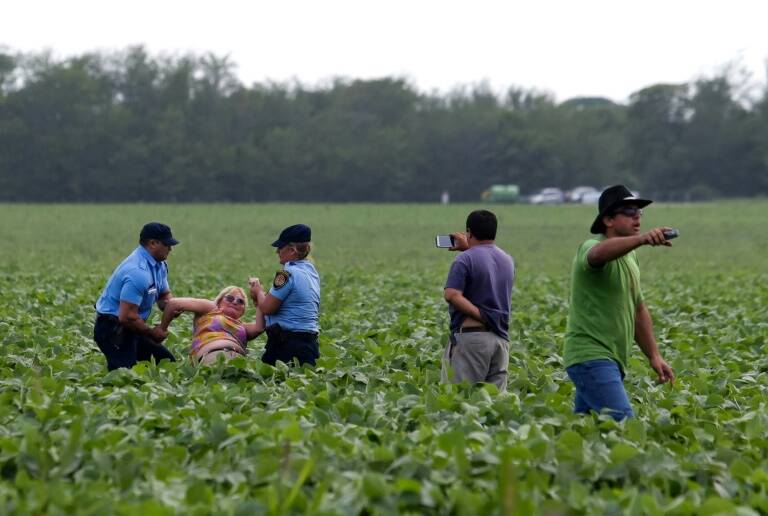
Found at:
[607, 311]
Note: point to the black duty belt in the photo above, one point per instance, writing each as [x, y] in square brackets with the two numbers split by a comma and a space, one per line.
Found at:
[107, 317]
[279, 334]
[301, 335]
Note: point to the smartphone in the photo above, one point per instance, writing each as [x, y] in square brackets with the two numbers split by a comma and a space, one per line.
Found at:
[445, 241]
[669, 234]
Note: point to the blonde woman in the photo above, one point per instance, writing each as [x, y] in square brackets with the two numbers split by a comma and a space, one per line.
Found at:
[217, 328]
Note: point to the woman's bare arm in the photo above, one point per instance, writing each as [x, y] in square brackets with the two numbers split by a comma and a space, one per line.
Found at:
[267, 303]
[256, 328]
[177, 305]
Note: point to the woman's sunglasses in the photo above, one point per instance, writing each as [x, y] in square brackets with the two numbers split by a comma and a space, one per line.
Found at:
[232, 299]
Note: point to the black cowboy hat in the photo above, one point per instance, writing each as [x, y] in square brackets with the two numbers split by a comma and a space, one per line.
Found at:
[611, 198]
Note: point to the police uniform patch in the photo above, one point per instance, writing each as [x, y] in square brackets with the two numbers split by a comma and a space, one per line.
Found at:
[281, 278]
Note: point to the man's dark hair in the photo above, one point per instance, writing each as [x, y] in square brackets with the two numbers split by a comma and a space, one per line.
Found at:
[482, 224]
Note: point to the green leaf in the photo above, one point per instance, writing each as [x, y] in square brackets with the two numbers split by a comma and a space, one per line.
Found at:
[622, 452]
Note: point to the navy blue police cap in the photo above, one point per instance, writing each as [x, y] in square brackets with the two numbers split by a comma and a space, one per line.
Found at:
[158, 231]
[297, 233]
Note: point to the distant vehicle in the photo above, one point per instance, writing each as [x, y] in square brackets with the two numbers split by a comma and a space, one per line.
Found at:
[547, 196]
[502, 193]
[590, 197]
[577, 193]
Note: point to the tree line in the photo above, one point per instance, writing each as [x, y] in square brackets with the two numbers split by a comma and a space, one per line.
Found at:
[130, 126]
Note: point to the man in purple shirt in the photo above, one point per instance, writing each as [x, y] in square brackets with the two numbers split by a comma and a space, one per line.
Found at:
[478, 291]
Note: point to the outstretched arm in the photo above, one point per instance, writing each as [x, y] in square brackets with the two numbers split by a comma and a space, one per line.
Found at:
[177, 305]
[647, 342]
[616, 247]
[257, 327]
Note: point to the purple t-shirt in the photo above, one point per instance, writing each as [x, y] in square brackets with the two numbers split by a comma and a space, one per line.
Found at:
[485, 275]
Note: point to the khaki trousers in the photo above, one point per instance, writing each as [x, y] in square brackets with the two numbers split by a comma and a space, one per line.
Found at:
[477, 357]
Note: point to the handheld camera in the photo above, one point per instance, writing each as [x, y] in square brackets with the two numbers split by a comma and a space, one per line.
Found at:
[444, 241]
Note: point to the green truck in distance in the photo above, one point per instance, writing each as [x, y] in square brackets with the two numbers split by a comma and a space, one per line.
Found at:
[502, 193]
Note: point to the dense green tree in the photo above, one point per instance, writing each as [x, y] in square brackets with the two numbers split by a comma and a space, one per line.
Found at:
[591, 142]
[721, 147]
[130, 126]
[7, 73]
[656, 119]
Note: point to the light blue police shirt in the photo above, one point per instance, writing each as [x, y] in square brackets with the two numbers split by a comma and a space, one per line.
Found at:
[300, 296]
[139, 279]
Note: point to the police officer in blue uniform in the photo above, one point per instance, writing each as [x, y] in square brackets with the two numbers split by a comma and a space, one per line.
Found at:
[292, 305]
[121, 330]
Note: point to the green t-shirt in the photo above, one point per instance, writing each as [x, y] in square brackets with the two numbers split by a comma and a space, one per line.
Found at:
[601, 320]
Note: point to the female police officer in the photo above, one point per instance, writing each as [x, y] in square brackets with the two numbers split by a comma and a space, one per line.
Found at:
[293, 303]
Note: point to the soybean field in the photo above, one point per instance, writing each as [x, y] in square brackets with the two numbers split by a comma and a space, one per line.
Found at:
[371, 430]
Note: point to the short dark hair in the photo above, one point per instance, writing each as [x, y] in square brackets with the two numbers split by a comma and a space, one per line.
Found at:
[482, 224]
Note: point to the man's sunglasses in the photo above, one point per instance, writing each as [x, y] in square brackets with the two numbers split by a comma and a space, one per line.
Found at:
[232, 299]
[629, 211]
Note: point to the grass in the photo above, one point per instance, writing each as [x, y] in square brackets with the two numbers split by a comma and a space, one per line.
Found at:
[236, 237]
[372, 429]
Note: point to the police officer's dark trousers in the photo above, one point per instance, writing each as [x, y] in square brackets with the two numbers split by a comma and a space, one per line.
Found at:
[286, 345]
[122, 347]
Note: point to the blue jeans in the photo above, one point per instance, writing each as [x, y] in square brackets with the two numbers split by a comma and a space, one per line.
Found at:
[600, 388]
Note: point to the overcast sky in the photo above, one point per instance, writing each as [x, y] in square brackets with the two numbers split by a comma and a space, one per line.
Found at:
[569, 48]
